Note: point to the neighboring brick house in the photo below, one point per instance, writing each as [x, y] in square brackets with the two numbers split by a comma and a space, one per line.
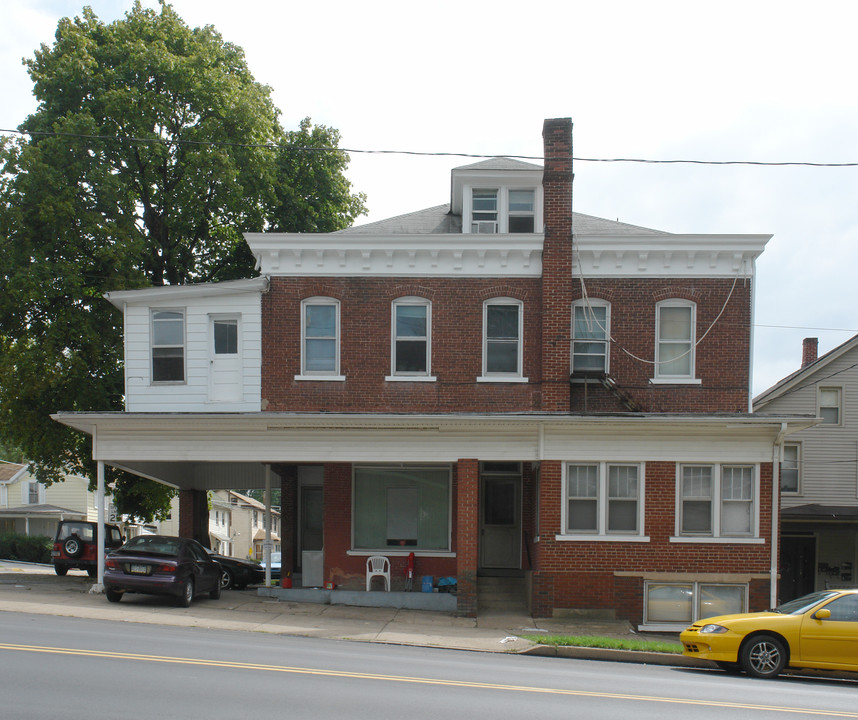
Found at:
[819, 472]
[499, 385]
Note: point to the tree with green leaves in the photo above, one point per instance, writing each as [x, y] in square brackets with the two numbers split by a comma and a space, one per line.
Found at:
[151, 151]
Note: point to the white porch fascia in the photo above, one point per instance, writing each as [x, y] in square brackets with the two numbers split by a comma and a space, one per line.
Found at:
[222, 451]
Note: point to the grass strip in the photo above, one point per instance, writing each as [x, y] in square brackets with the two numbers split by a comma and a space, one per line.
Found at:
[605, 642]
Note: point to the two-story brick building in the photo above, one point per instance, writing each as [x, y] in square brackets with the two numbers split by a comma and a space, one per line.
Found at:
[498, 385]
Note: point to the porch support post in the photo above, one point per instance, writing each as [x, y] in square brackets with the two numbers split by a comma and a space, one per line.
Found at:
[467, 535]
[266, 545]
[288, 518]
[99, 501]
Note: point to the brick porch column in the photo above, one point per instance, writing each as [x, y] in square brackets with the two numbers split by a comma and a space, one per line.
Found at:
[467, 535]
[194, 516]
[288, 516]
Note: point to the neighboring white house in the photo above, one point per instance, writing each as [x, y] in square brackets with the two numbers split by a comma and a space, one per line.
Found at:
[819, 473]
[29, 507]
[237, 525]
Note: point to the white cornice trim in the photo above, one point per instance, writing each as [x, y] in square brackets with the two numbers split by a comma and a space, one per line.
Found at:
[428, 255]
[119, 298]
[666, 255]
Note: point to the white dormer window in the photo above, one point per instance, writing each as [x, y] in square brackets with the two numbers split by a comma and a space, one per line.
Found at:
[484, 211]
[521, 217]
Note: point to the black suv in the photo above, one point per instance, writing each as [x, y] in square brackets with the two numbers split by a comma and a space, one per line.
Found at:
[76, 545]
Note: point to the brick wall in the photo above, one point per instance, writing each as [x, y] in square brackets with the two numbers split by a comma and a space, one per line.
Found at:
[722, 358]
[365, 306]
[581, 574]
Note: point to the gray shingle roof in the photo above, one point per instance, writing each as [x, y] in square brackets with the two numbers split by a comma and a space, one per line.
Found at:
[500, 163]
[438, 219]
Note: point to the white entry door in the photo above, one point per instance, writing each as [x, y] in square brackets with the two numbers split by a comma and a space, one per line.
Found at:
[225, 378]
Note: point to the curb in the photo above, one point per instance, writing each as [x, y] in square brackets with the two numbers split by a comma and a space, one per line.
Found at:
[611, 655]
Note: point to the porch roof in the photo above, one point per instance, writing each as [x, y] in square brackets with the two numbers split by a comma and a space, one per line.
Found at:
[208, 451]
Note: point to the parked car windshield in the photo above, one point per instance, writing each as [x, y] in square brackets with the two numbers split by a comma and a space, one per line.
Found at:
[802, 604]
[153, 544]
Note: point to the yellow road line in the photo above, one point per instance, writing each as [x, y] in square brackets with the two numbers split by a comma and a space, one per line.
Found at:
[418, 680]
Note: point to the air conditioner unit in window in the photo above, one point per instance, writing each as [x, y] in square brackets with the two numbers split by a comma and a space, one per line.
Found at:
[484, 226]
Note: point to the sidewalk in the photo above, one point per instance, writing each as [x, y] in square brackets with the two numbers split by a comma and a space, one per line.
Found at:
[36, 589]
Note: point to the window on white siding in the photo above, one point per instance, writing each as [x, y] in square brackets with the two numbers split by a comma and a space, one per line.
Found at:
[590, 333]
[33, 493]
[675, 334]
[411, 324]
[502, 346]
[320, 337]
[604, 499]
[225, 336]
[790, 469]
[168, 346]
[684, 603]
[717, 501]
[830, 405]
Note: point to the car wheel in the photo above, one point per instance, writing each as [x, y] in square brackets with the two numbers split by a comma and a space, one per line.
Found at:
[226, 580]
[113, 595]
[214, 593]
[73, 546]
[61, 569]
[763, 656]
[187, 593]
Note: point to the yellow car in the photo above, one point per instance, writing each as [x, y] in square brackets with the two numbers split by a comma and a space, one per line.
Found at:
[818, 631]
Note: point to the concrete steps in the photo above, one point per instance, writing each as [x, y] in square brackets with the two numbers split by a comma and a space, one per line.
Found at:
[507, 595]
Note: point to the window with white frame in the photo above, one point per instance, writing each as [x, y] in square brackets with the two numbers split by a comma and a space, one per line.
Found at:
[604, 498]
[405, 507]
[484, 211]
[33, 493]
[168, 346]
[502, 330]
[225, 331]
[829, 399]
[590, 334]
[717, 501]
[411, 325]
[686, 602]
[790, 476]
[520, 218]
[675, 335]
[320, 337]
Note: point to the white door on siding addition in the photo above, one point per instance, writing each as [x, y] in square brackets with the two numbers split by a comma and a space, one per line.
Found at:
[225, 377]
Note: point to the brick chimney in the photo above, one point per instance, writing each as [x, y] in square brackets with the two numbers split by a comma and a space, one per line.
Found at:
[556, 263]
[809, 351]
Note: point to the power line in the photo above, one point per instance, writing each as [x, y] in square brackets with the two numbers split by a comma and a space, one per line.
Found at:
[277, 146]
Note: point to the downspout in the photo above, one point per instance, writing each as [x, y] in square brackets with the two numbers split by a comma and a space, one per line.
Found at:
[751, 338]
[777, 452]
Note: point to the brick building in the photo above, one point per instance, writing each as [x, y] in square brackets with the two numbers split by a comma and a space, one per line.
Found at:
[498, 385]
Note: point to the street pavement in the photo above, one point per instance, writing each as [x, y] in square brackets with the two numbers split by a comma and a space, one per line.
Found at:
[36, 589]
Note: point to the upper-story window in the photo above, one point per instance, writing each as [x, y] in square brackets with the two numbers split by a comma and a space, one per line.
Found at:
[790, 467]
[411, 325]
[502, 332]
[675, 334]
[521, 215]
[830, 405]
[503, 210]
[320, 337]
[590, 334]
[717, 501]
[168, 346]
[484, 211]
[33, 493]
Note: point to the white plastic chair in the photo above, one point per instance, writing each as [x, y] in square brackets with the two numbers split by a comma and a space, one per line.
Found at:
[378, 565]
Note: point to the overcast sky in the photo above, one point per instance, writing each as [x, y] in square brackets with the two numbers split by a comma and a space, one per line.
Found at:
[753, 80]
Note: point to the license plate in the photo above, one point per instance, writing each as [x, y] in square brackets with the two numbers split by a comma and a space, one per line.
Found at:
[139, 569]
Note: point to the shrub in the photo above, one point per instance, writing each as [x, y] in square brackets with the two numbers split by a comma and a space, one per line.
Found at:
[36, 548]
